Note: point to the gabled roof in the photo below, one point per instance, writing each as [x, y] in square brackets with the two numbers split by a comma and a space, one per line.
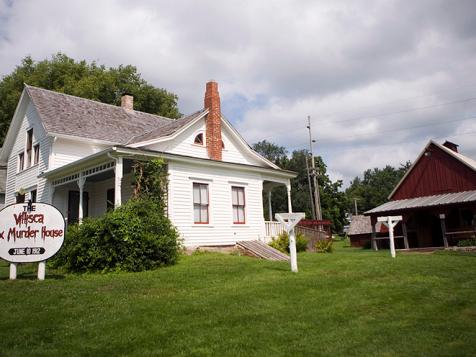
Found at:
[463, 159]
[73, 116]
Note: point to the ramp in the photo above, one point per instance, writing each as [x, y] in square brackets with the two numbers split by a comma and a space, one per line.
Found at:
[261, 250]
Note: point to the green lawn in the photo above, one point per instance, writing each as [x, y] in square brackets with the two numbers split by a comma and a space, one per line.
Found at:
[351, 302]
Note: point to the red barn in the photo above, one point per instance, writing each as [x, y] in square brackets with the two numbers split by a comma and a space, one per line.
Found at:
[436, 198]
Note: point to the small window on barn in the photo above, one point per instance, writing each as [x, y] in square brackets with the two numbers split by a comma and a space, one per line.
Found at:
[199, 139]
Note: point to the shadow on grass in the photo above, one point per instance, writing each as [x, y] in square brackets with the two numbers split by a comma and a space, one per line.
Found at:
[34, 276]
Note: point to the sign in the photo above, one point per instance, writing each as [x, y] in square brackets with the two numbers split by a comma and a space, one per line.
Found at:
[289, 220]
[30, 232]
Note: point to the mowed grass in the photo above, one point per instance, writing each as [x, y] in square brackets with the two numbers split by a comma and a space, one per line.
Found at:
[351, 302]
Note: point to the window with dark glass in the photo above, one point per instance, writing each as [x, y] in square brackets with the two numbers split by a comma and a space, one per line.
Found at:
[29, 145]
[238, 202]
[21, 161]
[36, 154]
[200, 203]
[33, 196]
[199, 139]
[20, 198]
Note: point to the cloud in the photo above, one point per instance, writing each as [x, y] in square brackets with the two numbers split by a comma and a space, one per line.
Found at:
[379, 78]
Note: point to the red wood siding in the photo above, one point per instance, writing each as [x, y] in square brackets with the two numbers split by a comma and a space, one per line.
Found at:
[436, 174]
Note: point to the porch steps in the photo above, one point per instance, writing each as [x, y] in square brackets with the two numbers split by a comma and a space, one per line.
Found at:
[261, 250]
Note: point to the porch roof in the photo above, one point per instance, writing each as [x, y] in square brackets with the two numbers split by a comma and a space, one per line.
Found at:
[422, 202]
[133, 153]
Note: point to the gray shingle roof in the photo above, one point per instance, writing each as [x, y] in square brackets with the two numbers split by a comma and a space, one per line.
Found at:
[69, 115]
[168, 129]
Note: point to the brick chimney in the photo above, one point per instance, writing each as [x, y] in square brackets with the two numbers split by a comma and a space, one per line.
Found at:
[213, 121]
[127, 102]
[451, 146]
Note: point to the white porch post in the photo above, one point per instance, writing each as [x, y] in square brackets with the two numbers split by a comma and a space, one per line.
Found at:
[118, 173]
[270, 208]
[81, 181]
[290, 206]
[405, 234]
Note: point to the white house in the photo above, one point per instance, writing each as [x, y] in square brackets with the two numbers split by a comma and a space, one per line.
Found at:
[77, 154]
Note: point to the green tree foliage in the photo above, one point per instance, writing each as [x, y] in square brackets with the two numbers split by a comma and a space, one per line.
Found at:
[333, 199]
[150, 180]
[374, 187]
[88, 80]
[136, 236]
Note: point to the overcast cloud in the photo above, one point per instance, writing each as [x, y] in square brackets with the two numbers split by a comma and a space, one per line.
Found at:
[378, 78]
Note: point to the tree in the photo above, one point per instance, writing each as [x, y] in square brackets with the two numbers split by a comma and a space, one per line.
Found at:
[333, 200]
[88, 80]
[375, 186]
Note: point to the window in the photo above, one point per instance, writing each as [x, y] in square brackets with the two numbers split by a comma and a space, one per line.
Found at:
[222, 144]
[199, 139]
[200, 202]
[21, 161]
[110, 199]
[238, 202]
[36, 154]
[20, 198]
[33, 196]
[29, 145]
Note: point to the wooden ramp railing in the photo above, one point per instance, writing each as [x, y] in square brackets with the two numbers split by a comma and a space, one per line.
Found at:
[260, 250]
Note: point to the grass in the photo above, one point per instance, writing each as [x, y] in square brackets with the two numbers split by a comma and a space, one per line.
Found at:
[351, 302]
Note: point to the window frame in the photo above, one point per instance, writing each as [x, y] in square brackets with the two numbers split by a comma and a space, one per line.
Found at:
[36, 154]
[200, 204]
[202, 138]
[29, 148]
[21, 161]
[238, 205]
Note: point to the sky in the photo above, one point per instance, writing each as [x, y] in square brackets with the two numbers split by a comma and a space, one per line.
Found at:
[379, 79]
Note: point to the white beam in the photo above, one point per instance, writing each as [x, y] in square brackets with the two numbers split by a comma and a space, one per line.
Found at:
[81, 181]
[118, 174]
[270, 208]
[290, 205]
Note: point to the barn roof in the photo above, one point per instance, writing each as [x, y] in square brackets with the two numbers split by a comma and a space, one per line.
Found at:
[427, 201]
[460, 157]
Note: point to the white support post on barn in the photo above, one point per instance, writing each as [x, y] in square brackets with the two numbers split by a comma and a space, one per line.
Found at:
[289, 220]
[13, 271]
[81, 181]
[270, 207]
[118, 173]
[373, 236]
[391, 222]
[443, 229]
[405, 235]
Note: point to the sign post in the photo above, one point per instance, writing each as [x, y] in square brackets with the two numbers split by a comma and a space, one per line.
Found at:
[29, 233]
[391, 222]
[289, 220]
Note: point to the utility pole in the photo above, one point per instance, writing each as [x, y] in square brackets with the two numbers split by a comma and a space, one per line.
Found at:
[313, 211]
[314, 173]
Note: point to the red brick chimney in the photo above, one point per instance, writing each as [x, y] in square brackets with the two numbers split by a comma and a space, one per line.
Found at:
[213, 130]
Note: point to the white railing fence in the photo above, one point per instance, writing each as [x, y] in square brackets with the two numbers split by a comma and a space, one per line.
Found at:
[273, 229]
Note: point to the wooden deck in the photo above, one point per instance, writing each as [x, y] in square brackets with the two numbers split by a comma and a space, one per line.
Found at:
[261, 250]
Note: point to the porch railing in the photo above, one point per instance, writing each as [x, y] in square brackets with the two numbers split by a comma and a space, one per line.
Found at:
[273, 229]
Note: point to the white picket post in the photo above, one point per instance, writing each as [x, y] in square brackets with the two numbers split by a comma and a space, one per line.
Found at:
[41, 270]
[13, 271]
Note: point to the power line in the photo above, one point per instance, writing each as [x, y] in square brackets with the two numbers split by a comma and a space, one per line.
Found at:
[403, 111]
[324, 139]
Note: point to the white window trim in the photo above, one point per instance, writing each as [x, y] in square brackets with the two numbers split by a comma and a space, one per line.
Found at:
[245, 192]
[210, 201]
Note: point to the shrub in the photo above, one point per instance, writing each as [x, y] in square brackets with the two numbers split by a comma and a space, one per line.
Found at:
[281, 243]
[467, 242]
[324, 246]
[136, 236]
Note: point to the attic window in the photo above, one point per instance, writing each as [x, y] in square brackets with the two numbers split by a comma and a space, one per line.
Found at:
[199, 139]
[222, 144]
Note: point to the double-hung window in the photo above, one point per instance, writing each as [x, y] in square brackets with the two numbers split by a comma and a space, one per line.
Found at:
[238, 203]
[29, 146]
[200, 203]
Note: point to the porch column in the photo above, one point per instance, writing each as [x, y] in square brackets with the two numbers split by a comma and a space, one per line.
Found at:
[270, 208]
[443, 229]
[81, 181]
[290, 206]
[373, 222]
[405, 234]
[118, 173]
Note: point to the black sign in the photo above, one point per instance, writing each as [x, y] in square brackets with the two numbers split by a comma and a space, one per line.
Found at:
[27, 251]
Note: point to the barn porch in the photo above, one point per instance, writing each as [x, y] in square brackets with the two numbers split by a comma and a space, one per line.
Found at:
[430, 221]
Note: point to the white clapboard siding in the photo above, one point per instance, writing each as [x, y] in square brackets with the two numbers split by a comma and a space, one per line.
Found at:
[183, 144]
[220, 230]
[27, 179]
[66, 151]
